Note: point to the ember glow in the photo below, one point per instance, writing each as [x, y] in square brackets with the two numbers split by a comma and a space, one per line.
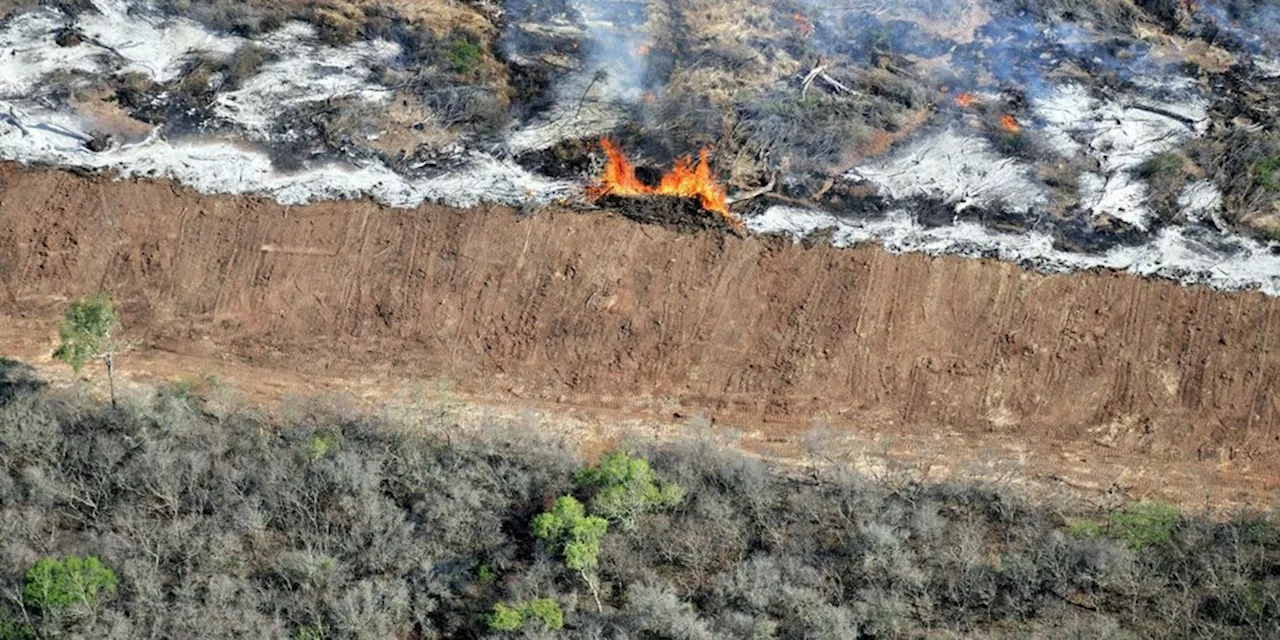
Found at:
[965, 100]
[803, 25]
[1010, 124]
[685, 180]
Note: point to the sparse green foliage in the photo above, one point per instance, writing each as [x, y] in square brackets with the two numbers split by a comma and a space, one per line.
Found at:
[86, 331]
[1162, 164]
[1086, 528]
[1145, 523]
[1140, 524]
[484, 573]
[623, 488]
[11, 630]
[192, 387]
[515, 618]
[56, 584]
[464, 54]
[313, 631]
[320, 446]
[1267, 174]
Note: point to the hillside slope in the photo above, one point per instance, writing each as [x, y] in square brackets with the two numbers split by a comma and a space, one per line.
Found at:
[595, 310]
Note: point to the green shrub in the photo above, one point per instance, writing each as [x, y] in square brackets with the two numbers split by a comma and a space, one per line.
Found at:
[548, 611]
[484, 573]
[1141, 524]
[1086, 528]
[10, 630]
[320, 446]
[464, 54]
[1145, 523]
[623, 488]
[313, 631]
[1163, 164]
[514, 618]
[193, 387]
[1267, 174]
[506, 618]
[55, 584]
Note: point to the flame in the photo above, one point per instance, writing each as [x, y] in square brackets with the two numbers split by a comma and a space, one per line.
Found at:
[649, 97]
[619, 176]
[965, 100]
[1010, 123]
[685, 179]
[642, 50]
[803, 25]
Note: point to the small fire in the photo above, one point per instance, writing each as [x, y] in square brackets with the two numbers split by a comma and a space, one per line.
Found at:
[685, 180]
[642, 50]
[803, 25]
[965, 100]
[1010, 123]
[649, 97]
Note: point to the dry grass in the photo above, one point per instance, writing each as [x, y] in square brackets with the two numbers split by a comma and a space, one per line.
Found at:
[407, 126]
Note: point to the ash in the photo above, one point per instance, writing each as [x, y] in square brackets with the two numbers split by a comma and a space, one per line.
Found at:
[1057, 135]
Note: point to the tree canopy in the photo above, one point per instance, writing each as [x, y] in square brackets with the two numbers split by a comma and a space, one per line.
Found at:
[86, 330]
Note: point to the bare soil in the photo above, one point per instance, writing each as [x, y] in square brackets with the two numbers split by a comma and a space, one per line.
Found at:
[1097, 381]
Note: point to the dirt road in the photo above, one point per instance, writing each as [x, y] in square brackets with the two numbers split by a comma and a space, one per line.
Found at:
[595, 311]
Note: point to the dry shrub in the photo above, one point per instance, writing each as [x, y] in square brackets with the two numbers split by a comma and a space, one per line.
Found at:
[228, 524]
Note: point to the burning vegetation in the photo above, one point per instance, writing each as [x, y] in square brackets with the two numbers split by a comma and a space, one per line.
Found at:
[684, 180]
[802, 101]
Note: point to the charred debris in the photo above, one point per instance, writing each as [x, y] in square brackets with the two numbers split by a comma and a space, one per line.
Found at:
[788, 96]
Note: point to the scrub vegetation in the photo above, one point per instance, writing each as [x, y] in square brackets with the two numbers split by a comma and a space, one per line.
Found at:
[191, 515]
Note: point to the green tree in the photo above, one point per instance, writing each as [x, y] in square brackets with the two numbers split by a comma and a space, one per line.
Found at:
[505, 618]
[577, 535]
[548, 611]
[57, 584]
[514, 618]
[10, 630]
[623, 488]
[86, 336]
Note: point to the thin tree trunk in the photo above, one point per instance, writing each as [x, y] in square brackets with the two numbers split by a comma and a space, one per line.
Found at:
[111, 378]
[595, 589]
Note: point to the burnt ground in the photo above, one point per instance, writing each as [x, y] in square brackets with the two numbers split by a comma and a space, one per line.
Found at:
[670, 212]
[1098, 381]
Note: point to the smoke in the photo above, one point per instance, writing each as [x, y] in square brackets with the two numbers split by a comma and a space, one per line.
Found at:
[1255, 24]
[594, 54]
[1066, 103]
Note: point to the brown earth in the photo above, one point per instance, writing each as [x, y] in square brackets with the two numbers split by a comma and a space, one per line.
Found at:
[1096, 380]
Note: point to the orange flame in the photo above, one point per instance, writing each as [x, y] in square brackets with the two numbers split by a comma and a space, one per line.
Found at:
[803, 25]
[685, 180]
[965, 100]
[1010, 123]
[642, 50]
